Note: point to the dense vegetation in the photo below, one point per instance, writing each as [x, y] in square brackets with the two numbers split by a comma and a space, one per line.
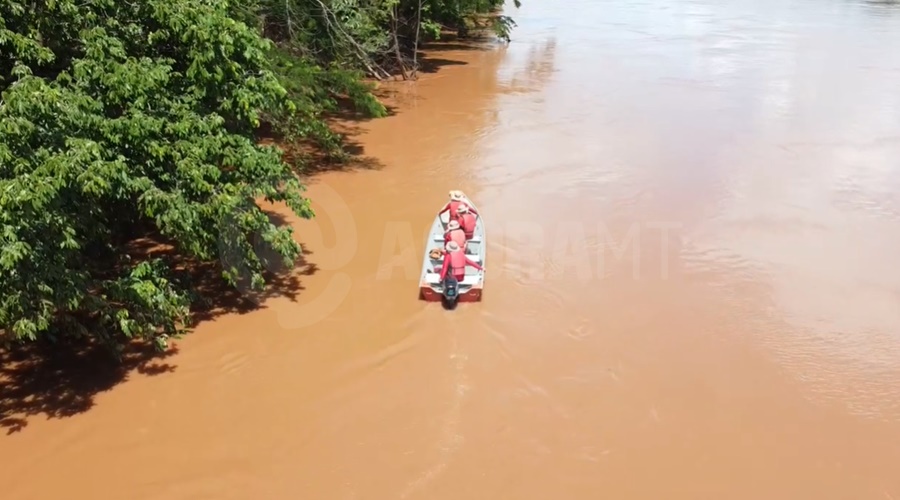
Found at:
[122, 121]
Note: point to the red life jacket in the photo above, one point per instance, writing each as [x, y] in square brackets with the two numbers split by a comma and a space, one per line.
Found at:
[454, 206]
[457, 235]
[467, 223]
[457, 263]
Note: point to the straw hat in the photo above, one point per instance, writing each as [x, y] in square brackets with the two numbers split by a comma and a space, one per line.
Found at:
[454, 224]
[456, 195]
[452, 246]
[462, 209]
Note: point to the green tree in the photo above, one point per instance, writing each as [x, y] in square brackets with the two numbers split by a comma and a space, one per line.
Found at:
[123, 120]
[378, 37]
[119, 118]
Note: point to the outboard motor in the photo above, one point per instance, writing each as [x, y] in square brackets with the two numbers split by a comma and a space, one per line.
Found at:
[451, 289]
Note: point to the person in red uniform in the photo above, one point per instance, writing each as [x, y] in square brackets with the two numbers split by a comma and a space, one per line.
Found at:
[466, 220]
[456, 201]
[455, 233]
[455, 262]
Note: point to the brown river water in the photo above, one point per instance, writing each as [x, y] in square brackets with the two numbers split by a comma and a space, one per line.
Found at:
[692, 292]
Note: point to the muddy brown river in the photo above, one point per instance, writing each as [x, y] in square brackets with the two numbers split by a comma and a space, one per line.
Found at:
[692, 292]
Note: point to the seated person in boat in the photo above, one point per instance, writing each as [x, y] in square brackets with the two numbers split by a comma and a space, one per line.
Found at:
[466, 218]
[455, 261]
[456, 200]
[455, 233]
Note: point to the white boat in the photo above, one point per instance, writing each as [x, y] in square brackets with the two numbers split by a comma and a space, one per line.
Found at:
[470, 289]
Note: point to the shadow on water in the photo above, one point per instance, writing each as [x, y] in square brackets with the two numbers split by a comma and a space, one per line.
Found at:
[477, 45]
[57, 381]
[215, 297]
[61, 379]
[308, 158]
[356, 157]
[429, 63]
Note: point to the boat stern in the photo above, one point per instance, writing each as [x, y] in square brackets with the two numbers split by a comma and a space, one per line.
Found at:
[429, 294]
[471, 295]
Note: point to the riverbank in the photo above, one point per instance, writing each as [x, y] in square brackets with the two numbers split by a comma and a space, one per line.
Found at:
[40, 383]
[762, 365]
[314, 326]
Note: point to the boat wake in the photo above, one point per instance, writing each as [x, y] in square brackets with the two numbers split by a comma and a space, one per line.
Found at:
[451, 439]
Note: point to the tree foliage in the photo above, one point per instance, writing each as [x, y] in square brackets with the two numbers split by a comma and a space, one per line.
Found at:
[121, 119]
[375, 36]
[117, 116]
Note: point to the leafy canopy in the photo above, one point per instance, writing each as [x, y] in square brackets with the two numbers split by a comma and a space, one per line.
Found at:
[122, 120]
[124, 115]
